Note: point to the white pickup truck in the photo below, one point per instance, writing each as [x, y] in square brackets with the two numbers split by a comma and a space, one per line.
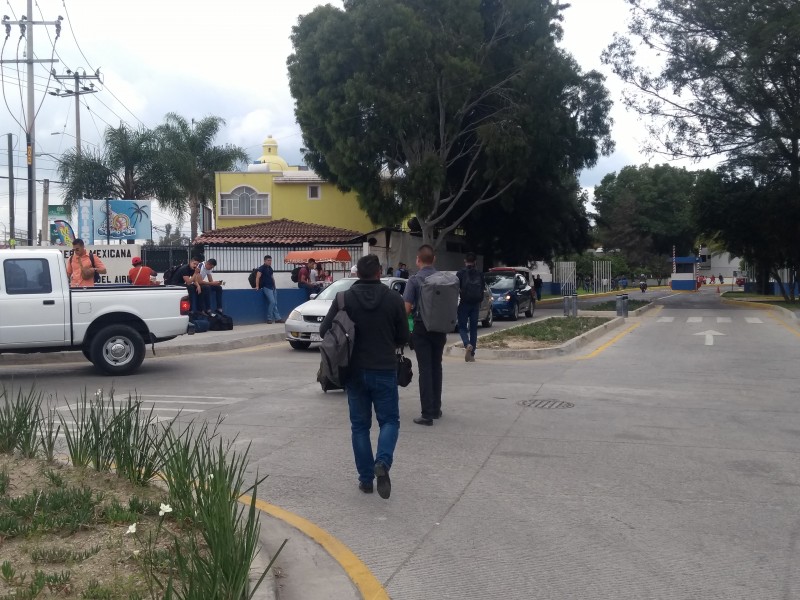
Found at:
[110, 324]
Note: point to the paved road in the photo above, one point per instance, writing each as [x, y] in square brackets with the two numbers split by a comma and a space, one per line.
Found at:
[674, 475]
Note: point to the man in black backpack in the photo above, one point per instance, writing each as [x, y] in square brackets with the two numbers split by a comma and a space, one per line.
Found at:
[380, 328]
[471, 287]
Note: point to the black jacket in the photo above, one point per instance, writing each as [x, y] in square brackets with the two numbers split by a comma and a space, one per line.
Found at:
[381, 324]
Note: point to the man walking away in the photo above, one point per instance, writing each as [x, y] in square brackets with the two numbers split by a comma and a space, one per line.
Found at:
[380, 328]
[471, 286]
[428, 345]
[537, 287]
[265, 282]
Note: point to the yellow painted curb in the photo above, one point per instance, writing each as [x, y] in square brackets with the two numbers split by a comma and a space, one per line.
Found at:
[609, 343]
[367, 584]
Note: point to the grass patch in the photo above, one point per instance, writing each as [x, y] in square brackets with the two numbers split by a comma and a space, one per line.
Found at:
[612, 305]
[771, 300]
[104, 526]
[542, 334]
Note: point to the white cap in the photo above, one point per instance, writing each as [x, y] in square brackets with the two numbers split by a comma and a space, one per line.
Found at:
[354, 270]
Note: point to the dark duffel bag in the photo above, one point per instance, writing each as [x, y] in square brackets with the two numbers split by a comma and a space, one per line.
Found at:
[325, 383]
[220, 322]
[200, 325]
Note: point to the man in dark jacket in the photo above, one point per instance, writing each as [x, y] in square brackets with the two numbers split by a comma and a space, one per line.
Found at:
[471, 284]
[380, 328]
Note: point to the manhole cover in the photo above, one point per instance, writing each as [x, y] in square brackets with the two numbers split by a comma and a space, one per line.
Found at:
[545, 403]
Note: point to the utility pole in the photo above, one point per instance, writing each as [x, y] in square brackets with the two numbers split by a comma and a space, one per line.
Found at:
[12, 241]
[80, 88]
[26, 30]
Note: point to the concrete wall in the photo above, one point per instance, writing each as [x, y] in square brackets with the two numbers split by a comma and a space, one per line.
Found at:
[249, 307]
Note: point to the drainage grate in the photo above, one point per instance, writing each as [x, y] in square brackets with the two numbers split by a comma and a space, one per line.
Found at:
[545, 403]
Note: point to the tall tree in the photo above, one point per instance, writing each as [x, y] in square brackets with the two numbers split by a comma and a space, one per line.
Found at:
[645, 211]
[430, 107]
[188, 153]
[125, 167]
[728, 84]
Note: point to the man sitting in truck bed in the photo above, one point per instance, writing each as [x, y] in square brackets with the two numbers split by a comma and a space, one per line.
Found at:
[81, 267]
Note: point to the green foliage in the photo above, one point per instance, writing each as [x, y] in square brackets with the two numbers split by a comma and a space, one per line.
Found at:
[62, 555]
[435, 108]
[644, 211]
[553, 330]
[55, 479]
[4, 481]
[42, 511]
[19, 421]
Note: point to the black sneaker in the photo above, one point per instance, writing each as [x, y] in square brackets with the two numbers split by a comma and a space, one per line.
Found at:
[384, 483]
[365, 487]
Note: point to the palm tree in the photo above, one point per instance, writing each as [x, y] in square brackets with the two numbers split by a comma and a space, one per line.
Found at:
[126, 167]
[188, 153]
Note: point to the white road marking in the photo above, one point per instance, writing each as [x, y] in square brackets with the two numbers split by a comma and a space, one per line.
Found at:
[753, 320]
[665, 319]
[694, 320]
[710, 333]
[228, 399]
[723, 319]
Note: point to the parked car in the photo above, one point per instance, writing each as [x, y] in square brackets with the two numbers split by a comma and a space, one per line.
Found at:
[511, 293]
[110, 324]
[302, 326]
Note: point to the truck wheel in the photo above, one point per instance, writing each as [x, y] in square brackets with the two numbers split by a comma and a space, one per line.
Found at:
[87, 354]
[299, 345]
[117, 350]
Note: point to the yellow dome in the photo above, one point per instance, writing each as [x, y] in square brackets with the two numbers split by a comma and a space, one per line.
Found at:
[270, 156]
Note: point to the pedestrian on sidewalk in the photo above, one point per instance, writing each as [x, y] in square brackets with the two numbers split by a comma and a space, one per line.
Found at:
[471, 285]
[380, 328]
[537, 287]
[428, 345]
[265, 283]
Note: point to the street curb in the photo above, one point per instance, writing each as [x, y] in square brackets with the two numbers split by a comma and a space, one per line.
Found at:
[764, 306]
[73, 356]
[540, 353]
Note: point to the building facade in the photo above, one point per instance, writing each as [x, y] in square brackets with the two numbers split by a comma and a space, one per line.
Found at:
[271, 189]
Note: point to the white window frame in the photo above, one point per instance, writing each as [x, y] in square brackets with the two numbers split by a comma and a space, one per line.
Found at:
[319, 192]
[232, 199]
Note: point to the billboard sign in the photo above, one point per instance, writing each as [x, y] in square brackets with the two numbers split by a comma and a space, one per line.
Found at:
[114, 220]
[116, 258]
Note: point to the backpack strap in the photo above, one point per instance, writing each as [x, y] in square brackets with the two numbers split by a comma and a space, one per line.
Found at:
[91, 258]
[340, 300]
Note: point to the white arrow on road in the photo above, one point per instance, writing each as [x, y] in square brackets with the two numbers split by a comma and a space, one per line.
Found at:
[710, 333]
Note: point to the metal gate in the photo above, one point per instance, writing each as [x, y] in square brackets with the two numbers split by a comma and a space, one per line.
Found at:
[161, 258]
[564, 273]
[602, 276]
[242, 259]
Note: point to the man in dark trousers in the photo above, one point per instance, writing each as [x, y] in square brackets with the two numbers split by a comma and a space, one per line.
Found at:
[428, 345]
[471, 286]
[380, 328]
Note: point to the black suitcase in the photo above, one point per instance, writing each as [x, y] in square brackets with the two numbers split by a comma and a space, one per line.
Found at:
[325, 383]
[220, 322]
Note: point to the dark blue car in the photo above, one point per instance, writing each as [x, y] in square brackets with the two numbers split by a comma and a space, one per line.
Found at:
[511, 293]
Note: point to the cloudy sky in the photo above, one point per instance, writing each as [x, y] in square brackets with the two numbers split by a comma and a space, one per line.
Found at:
[209, 58]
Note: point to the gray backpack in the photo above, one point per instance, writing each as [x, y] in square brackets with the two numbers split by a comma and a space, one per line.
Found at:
[337, 346]
[438, 301]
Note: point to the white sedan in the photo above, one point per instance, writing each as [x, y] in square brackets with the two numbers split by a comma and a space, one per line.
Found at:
[302, 326]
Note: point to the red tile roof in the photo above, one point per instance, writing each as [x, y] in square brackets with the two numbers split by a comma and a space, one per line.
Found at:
[280, 232]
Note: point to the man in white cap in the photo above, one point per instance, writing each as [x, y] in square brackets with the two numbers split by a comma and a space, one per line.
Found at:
[353, 271]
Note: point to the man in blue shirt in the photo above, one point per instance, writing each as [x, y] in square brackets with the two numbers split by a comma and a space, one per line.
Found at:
[265, 282]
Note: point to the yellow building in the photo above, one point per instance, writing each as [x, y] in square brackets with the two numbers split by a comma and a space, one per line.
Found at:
[271, 189]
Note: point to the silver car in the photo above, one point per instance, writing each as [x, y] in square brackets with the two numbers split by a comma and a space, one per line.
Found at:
[302, 326]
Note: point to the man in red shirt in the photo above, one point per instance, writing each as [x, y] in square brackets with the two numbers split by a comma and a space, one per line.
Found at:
[140, 274]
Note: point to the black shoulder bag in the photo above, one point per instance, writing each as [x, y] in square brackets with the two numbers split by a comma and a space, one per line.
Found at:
[404, 372]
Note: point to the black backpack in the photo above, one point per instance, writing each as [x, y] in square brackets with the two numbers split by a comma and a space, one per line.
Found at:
[337, 346]
[169, 275]
[296, 274]
[96, 274]
[252, 277]
[471, 286]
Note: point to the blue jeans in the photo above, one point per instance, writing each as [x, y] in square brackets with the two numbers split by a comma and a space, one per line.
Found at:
[367, 388]
[272, 304]
[468, 312]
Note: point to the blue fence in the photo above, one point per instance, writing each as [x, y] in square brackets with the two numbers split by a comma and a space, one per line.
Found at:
[249, 307]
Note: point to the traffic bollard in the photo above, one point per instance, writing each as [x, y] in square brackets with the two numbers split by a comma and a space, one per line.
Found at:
[619, 305]
[625, 305]
[566, 306]
[575, 304]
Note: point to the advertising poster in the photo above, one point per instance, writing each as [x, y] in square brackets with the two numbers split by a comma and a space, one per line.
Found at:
[116, 258]
[114, 220]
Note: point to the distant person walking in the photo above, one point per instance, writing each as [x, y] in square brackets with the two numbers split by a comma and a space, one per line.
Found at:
[139, 274]
[82, 266]
[380, 328]
[307, 278]
[471, 285]
[537, 287]
[428, 345]
[265, 283]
